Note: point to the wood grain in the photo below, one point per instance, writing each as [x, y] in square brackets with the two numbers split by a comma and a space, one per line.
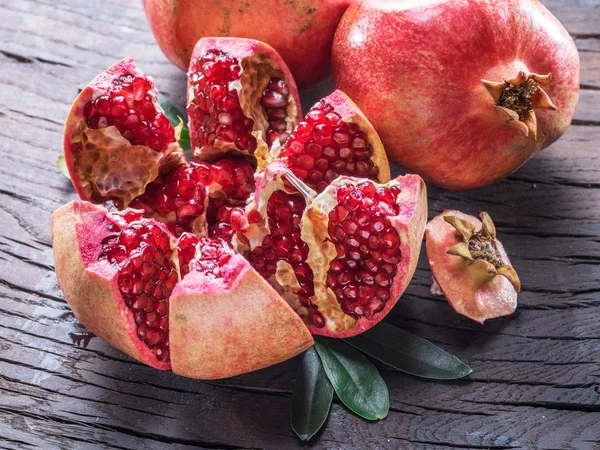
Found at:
[536, 375]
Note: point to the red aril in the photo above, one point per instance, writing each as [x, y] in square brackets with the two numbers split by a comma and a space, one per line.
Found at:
[117, 138]
[241, 98]
[460, 92]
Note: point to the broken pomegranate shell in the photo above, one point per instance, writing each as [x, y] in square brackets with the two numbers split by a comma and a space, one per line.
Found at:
[118, 272]
[470, 267]
[117, 137]
[226, 320]
[335, 138]
[364, 241]
[241, 98]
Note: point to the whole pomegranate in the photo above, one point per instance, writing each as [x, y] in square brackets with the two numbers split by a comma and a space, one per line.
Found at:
[460, 92]
[301, 31]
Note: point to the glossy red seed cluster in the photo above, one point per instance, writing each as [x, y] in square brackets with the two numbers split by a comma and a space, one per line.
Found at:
[129, 106]
[205, 255]
[284, 212]
[275, 103]
[215, 111]
[323, 146]
[235, 176]
[368, 247]
[147, 276]
[226, 221]
[182, 194]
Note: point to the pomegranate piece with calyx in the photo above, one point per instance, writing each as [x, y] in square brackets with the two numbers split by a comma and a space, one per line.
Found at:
[122, 276]
[470, 266]
[335, 138]
[460, 92]
[241, 98]
[117, 137]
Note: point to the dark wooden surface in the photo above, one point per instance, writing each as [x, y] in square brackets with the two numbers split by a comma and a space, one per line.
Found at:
[536, 379]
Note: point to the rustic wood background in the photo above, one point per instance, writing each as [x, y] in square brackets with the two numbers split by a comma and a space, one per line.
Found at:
[536, 379]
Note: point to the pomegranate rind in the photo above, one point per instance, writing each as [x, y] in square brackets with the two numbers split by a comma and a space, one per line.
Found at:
[468, 288]
[410, 225]
[249, 52]
[351, 113]
[225, 327]
[102, 175]
[90, 286]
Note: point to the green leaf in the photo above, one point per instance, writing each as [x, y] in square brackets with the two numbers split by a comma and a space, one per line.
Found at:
[356, 381]
[175, 116]
[409, 353]
[312, 397]
[62, 166]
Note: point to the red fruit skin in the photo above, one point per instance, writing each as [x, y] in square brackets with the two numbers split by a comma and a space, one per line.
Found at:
[240, 48]
[300, 31]
[224, 327]
[469, 292]
[410, 225]
[415, 69]
[91, 286]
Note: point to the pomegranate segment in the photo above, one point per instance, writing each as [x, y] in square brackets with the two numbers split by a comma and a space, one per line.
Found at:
[241, 98]
[470, 266]
[117, 138]
[364, 240]
[228, 319]
[117, 271]
[146, 278]
[335, 139]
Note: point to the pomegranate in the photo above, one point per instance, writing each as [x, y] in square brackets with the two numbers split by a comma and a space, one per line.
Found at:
[181, 198]
[343, 258]
[470, 266]
[301, 31]
[121, 275]
[461, 93]
[117, 138]
[241, 98]
[335, 139]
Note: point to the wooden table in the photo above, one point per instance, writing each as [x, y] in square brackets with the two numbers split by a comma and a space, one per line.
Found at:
[536, 379]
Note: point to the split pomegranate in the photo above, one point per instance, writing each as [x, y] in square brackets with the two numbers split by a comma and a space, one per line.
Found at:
[343, 259]
[470, 266]
[300, 31]
[461, 93]
[121, 275]
[241, 98]
[335, 139]
[117, 138]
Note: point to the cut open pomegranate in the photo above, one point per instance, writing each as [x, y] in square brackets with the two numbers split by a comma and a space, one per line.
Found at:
[117, 138]
[122, 281]
[241, 98]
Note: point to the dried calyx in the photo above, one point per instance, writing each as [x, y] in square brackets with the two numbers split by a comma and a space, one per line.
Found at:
[480, 247]
[516, 98]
